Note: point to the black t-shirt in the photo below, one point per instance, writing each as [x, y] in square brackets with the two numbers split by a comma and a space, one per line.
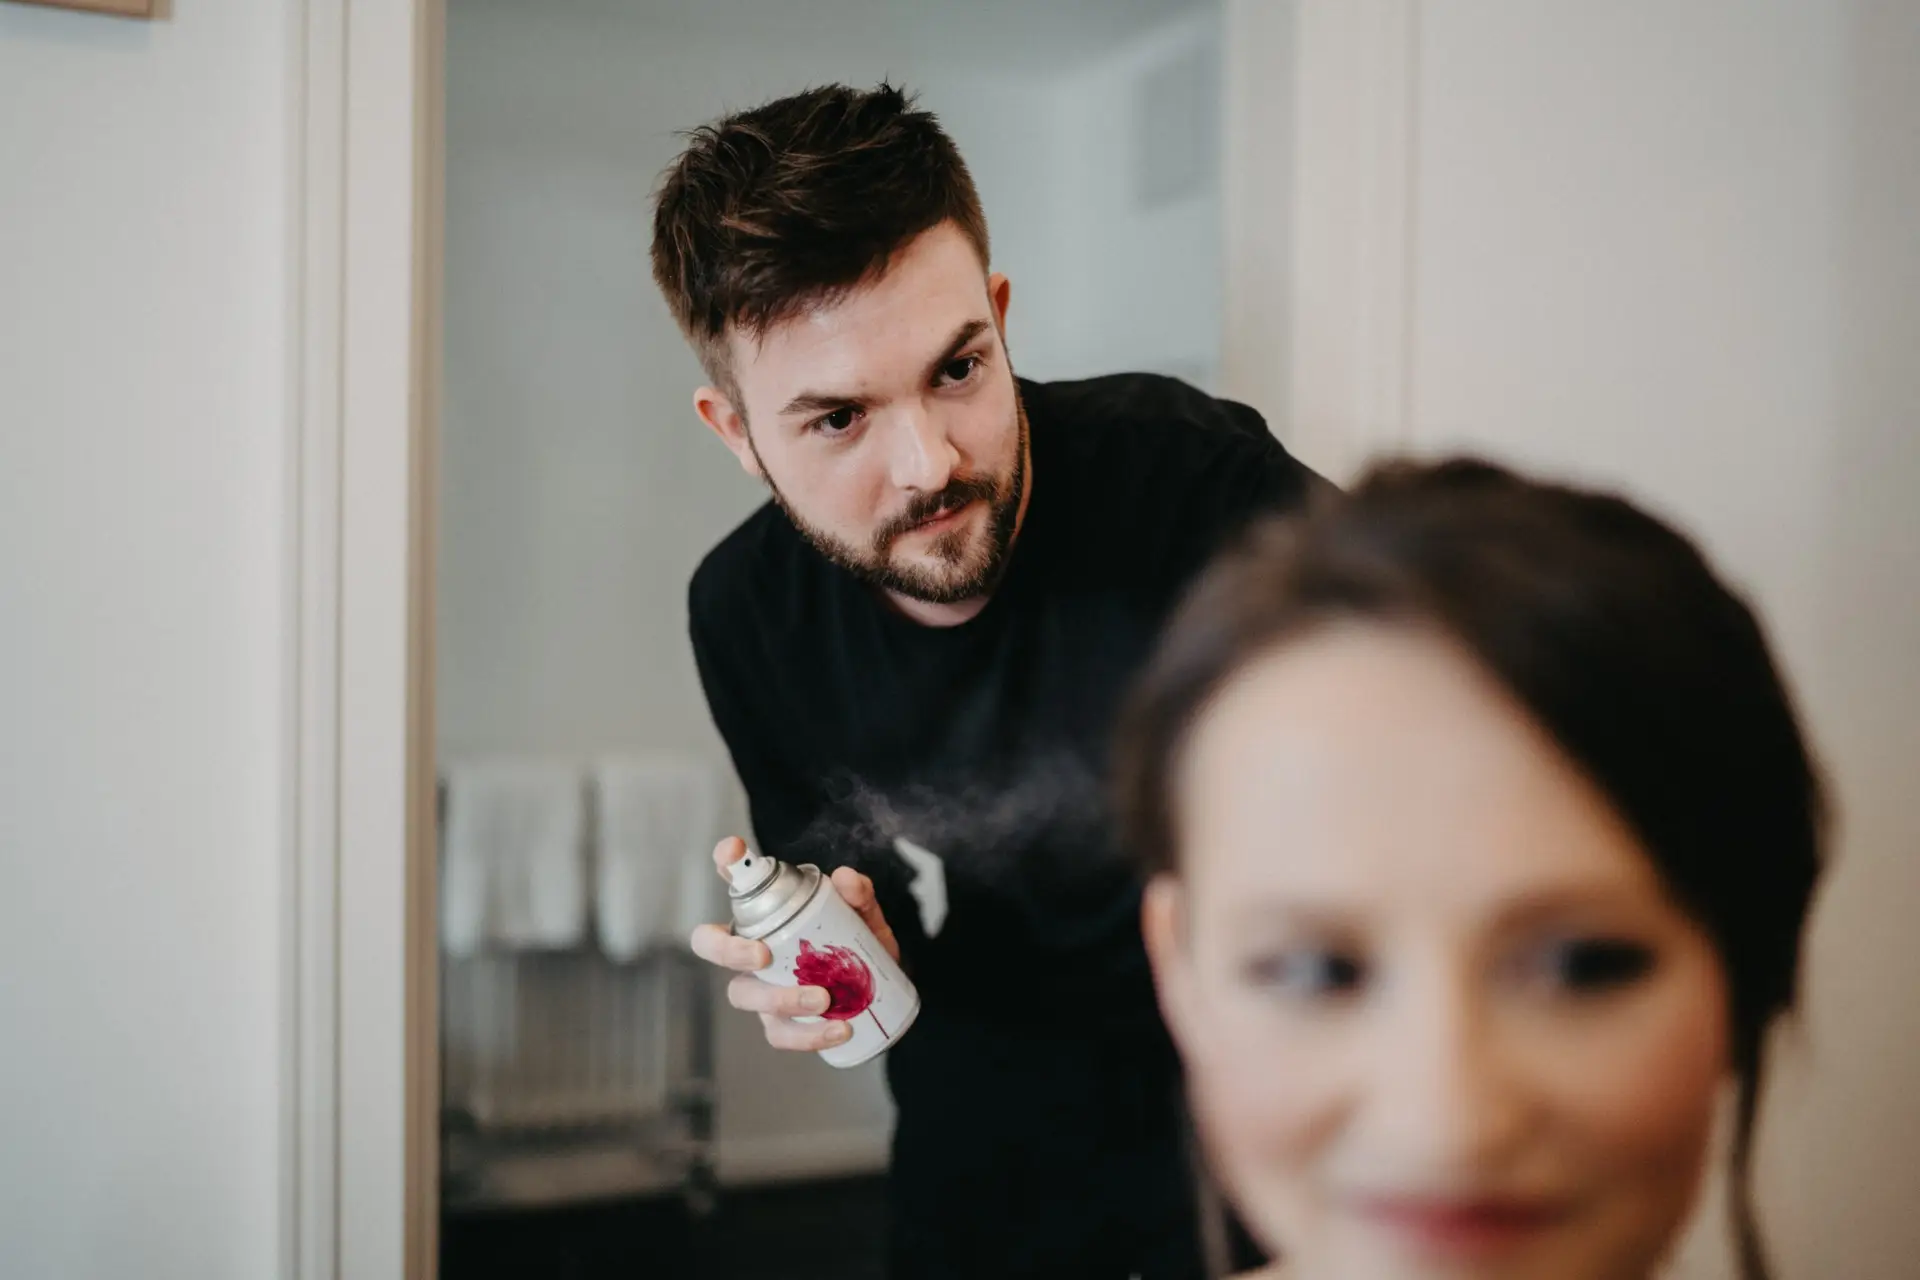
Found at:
[1038, 1062]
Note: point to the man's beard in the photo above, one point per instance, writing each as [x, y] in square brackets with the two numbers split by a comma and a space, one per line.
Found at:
[916, 582]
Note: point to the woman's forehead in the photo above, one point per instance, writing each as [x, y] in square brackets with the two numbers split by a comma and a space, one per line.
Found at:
[1380, 761]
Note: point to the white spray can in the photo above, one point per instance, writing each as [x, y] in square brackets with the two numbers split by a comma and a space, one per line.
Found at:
[817, 940]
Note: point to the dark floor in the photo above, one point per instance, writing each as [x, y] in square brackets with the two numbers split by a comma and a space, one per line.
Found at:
[803, 1231]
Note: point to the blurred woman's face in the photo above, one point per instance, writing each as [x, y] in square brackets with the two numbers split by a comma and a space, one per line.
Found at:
[1439, 1013]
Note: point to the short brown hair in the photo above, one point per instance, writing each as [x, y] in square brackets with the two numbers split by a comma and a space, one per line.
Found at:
[774, 209]
[1618, 638]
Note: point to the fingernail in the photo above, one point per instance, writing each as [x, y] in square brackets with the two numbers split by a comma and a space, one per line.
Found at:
[818, 1000]
[842, 1033]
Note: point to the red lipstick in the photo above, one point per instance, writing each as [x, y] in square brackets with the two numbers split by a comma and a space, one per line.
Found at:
[1460, 1228]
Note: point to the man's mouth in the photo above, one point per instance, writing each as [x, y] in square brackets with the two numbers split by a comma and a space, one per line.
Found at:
[945, 518]
[955, 503]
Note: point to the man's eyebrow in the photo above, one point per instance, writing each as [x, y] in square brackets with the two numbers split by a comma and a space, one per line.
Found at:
[816, 402]
[961, 337]
[826, 401]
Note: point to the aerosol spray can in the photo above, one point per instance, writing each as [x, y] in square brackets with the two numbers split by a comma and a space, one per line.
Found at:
[817, 940]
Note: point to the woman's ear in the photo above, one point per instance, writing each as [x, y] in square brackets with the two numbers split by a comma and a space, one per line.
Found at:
[1163, 926]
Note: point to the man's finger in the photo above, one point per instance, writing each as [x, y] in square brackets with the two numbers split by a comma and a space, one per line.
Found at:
[804, 1037]
[856, 891]
[726, 853]
[716, 945]
[755, 996]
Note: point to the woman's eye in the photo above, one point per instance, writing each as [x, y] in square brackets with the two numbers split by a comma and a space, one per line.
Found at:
[1592, 966]
[1308, 974]
[839, 422]
[957, 371]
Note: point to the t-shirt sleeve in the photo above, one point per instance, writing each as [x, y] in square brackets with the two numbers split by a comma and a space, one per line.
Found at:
[783, 803]
[1238, 472]
[1271, 479]
[1239, 468]
[779, 802]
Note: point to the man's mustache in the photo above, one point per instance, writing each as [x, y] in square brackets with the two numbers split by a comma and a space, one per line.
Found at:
[958, 492]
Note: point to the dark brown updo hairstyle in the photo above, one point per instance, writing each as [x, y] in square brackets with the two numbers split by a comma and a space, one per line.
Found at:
[1617, 637]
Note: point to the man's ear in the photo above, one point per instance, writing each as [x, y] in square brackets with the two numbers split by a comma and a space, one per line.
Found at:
[999, 293]
[1163, 927]
[727, 422]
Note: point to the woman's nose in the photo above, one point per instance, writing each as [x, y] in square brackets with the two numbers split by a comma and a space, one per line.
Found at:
[923, 458]
[1443, 1099]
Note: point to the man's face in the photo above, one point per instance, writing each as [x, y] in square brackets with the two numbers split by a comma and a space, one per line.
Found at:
[888, 425]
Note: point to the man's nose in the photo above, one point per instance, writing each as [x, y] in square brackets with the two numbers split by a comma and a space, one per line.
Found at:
[922, 457]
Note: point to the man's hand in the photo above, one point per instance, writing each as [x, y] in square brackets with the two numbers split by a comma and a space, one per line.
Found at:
[778, 1006]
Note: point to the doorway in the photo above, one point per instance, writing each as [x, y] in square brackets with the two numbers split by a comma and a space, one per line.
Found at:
[602, 1109]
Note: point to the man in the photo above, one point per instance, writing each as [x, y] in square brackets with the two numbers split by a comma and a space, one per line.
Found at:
[925, 634]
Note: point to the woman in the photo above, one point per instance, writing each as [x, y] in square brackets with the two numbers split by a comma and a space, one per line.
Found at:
[1481, 835]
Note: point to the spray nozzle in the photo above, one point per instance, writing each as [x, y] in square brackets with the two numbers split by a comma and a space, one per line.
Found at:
[751, 872]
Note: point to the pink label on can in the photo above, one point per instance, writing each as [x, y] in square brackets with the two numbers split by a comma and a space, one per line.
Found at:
[848, 980]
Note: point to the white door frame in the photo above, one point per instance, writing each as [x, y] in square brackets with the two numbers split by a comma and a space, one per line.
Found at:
[360, 1071]
[1321, 184]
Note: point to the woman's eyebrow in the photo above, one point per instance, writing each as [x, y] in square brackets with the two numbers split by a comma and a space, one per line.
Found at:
[1304, 914]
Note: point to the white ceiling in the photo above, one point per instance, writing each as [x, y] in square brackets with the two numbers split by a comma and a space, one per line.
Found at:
[1015, 33]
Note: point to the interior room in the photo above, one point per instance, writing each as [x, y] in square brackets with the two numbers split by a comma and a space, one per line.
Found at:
[358, 787]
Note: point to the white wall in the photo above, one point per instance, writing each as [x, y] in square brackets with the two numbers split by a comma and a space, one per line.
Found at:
[1668, 245]
[144, 391]
[1689, 266]
[579, 490]
[1140, 278]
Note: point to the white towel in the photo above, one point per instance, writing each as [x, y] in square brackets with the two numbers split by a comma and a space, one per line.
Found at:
[513, 871]
[657, 818]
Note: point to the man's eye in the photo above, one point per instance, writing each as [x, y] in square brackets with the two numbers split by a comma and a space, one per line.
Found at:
[1309, 974]
[956, 371]
[839, 422]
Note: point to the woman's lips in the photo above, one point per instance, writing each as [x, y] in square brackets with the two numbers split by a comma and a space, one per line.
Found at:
[1460, 1227]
